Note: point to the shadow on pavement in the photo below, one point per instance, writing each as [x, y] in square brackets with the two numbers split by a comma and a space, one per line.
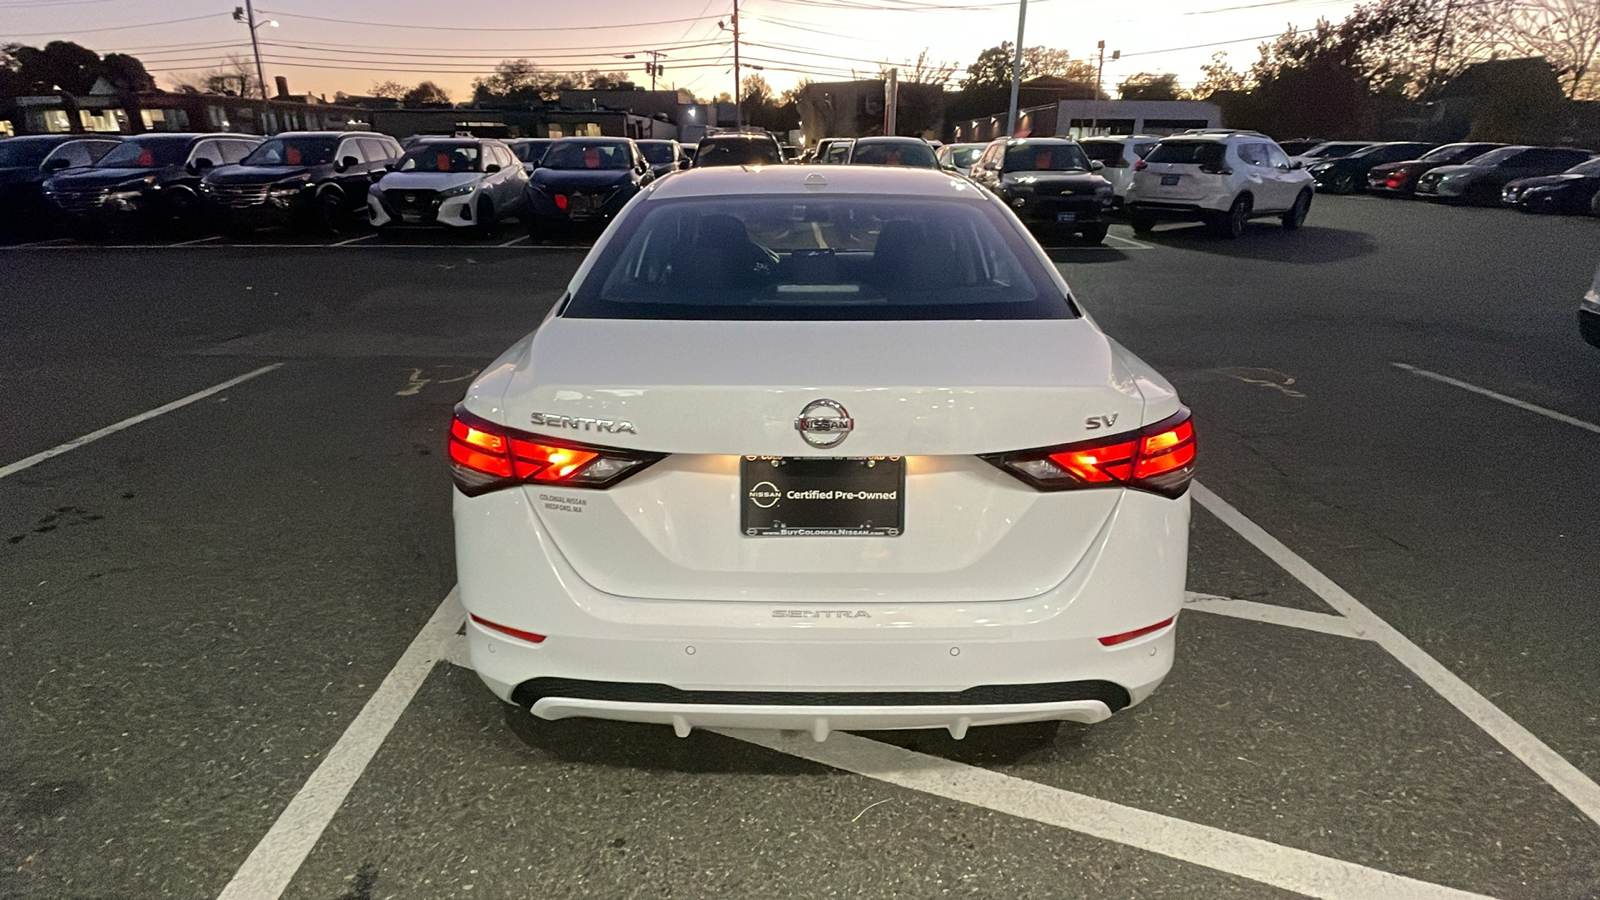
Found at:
[1085, 254]
[1266, 240]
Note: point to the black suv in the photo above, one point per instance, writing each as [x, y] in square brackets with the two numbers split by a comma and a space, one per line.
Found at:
[149, 179]
[738, 148]
[1050, 184]
[583, 183]
[303, 178]
[25, 164]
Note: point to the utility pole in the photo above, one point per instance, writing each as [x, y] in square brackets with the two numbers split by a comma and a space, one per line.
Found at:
[654, 66]
[738, 114]
[247, 15]
[1016, 71]
[1099, 84]
[891, 100]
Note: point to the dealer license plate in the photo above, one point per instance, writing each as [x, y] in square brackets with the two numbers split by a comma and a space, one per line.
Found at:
[411, 218]
[1168, 180]
[1066, 217]
[808, 497]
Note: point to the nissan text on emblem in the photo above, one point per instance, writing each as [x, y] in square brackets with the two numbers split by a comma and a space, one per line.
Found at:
[824, 423]
[765, 495]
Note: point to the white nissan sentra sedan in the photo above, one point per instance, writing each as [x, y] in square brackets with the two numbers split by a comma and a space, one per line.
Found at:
[820, 448]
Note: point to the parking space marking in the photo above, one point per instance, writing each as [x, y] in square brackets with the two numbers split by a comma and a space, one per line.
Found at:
[1271, 614]
[275, 860]
[1519, 404]
[1130, 243]
[204, 240]
[355, 240]
[1549, 765]
[1224, 851]
[93, 436]
[514, 241]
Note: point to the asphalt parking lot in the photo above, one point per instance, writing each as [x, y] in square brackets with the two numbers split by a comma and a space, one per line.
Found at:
[231, 666]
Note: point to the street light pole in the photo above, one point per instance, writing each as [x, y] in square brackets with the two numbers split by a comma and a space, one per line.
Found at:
[738, 115]
[1016, 71]
[247, 15]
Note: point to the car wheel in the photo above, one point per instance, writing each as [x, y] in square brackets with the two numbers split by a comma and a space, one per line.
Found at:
[1143, 222]
[1232, 223]
[183, 211]
[332, 217]
[1296, 216]
[488, 224]
[1095, 234]
[1344, 184]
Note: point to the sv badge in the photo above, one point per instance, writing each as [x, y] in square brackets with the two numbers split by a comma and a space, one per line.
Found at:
[1094, 422]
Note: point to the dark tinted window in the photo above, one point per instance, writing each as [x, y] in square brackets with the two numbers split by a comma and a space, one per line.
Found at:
[1030, 156]
[1589, 167]
[1451, 154]
[587, 155]
[146, 154]
[530, 151]
[79, 153]
[15, 152]
[893, 153]
[1496, 157]
[964, 157]
[810, 257]
[440, 156]
[738, 152]
[1108, 152]
[659, 153]
[293, 151]
[1188, 152]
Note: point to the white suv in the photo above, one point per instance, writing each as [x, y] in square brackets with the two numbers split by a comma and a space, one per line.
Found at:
[1119, 153]
[1223, 178]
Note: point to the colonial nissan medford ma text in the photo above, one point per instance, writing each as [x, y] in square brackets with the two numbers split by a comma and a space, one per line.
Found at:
[820, 448]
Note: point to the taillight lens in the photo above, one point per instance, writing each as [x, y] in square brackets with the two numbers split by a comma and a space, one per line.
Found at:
[486, 457]
[1139, 165]
[1158, 458]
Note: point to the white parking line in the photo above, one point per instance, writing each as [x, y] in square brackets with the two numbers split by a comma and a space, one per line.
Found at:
[1236, 854]
[93, 436]
[1519, 404]
[514, 241]
[274, 861]
[1271, 614]
[204, 240]
[1549, 765]
[354, 240]
[1130, 243]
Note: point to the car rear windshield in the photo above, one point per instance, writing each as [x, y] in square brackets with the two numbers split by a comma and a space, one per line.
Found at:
[587, 155]
[1032, 157]
[893, 153]
[438, 156]
[530, 151]
[294, 151]
[860, 257]
[738, 153]
[659, 154]
[1195, 153]
[146, 154]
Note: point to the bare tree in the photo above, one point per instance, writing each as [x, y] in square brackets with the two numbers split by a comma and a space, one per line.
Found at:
[388, 90]
[1565, 32]
[236, 75]
[922, 70]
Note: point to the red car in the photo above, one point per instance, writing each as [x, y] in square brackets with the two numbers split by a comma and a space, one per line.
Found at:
[1400, 178]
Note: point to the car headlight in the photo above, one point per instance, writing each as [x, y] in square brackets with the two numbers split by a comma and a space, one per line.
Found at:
[461, 191]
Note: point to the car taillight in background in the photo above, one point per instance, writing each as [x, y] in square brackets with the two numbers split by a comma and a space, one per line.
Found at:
[1139, 165]
[1158, 458]
[485, 456]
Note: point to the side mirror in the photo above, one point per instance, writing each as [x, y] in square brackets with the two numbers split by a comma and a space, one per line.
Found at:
[491, 168]
[57, 164]
[683, 163]
[1096, 165]
[346, 163]
[201, 166]
[1297, 165]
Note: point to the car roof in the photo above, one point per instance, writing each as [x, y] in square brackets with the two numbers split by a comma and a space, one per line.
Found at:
[1049, 139]
[334, 134]
[603, 139]
[1122, 137]
[812, 180]
[738, 136]
[890, 139]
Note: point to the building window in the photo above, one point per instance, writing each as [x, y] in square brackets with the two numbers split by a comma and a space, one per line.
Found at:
[105, 120]
[164, 119]
[215, 118]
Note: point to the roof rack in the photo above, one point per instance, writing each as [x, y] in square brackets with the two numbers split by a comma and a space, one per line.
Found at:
[1250, 131]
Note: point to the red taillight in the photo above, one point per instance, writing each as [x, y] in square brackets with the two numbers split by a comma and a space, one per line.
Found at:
[561, 202]
[1139, 165]
[1397, 179]
[1158, 458]
[1123, 638]
[518, 633]
[485, 457]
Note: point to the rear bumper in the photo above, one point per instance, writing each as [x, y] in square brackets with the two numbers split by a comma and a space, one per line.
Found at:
[718, 663]
[1170, 210]
[1589, 318]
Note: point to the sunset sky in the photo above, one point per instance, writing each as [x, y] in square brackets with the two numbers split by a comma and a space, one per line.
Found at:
[452, 43]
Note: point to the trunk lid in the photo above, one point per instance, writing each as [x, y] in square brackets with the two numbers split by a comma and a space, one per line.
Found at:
[935, 393]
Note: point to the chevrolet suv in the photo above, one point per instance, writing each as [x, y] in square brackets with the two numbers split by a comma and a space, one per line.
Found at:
[307, 178]
[1222, 178]
[1050, 183]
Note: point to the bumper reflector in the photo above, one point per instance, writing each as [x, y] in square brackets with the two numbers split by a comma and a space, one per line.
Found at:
[1113, 640]
[517, 633]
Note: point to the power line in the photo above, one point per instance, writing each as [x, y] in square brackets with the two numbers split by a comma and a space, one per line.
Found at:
[289, 15]
[59, 32]
[494, 55]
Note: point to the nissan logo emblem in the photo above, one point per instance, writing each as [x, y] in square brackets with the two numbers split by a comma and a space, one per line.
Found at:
[824, 423]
